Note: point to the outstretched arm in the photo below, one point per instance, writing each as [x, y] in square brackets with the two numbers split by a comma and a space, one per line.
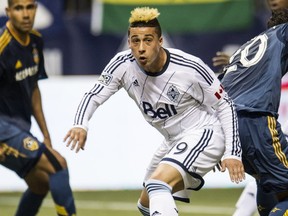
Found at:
[39, 115]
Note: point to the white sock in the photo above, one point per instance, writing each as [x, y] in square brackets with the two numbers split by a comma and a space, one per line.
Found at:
[161, 201]
[144, 210]
[246, 204]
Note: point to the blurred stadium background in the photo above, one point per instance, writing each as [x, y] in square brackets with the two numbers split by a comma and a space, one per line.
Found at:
[80, 38]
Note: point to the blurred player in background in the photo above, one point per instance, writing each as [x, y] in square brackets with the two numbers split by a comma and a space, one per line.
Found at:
[253, 80]
[246, 206]
[190, 113]
[21, 66]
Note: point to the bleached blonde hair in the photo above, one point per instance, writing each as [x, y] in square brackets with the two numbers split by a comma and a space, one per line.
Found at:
[143, 14]
[145, 17]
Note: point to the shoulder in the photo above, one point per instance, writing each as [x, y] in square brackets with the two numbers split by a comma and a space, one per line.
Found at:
[179, 54]
[36, 36]
[5, 38]
[120, 60]
[183, 58]
[35, 33]
[125, 55]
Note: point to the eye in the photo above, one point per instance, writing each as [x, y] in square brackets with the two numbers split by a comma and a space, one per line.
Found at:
[18, 8]
[149, 40]
[135, 40]
[31, 7]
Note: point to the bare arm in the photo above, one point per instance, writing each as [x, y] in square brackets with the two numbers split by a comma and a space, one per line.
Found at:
[39, 115]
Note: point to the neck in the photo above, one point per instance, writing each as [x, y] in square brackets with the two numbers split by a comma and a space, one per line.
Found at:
[21, 37]
[159, 62]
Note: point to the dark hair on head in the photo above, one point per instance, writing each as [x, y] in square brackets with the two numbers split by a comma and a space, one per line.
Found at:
[278, 17]
[151, 23]
[10, 2]
[145, 17]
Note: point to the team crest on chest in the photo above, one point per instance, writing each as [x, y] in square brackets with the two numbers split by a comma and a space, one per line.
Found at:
[35, 54]
[173, 93]
[30, 144]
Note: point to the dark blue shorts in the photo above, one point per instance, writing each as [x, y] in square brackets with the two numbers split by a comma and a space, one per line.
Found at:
[22, 152]
[265, 150]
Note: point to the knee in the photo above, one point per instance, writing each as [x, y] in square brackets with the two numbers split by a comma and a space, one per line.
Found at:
[62, 161]
[51, 161]
[38, 181]
[55, 158]
[154, 186]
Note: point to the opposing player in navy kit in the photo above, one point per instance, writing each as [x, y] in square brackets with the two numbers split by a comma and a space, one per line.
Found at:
[180, 96]
[21, 66]
[253, 80]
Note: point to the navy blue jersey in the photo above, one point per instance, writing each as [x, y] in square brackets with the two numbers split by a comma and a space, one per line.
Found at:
[253, 77]
[20, 68]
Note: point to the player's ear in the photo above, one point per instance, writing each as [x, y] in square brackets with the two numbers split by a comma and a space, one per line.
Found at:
[161, 40]
[7, 11]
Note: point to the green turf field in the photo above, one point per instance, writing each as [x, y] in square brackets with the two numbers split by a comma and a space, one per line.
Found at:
[212, 202]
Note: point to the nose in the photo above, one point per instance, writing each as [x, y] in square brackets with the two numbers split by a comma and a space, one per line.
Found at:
[25, 12]
[141, 47]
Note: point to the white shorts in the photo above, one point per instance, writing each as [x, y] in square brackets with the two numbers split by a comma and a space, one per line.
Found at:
[193, 155]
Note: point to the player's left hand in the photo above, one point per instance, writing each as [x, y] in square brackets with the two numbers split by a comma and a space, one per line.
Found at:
[235, 168]
[76, 137]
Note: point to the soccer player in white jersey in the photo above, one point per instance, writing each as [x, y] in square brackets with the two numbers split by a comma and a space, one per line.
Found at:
[180, 96]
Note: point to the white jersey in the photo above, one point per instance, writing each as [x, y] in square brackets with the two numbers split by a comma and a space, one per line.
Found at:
[185, 95]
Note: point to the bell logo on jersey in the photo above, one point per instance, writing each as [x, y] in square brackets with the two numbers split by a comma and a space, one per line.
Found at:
[30, 144]
[219, 92]
[161, 112]
[105, 79]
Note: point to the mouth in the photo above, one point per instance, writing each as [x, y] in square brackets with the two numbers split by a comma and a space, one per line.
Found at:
[142, 59]
[26, 24]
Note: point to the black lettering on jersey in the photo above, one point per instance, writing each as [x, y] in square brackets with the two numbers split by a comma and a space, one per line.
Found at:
[162, 112]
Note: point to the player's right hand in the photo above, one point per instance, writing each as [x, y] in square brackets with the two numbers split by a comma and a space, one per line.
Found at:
[235, 169]
[76, 138]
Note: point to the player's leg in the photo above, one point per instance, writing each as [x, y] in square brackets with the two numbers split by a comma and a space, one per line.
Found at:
[20, 153]
[280, 209]
[265, 202]
[38, 187]
[143, 202]
[160, 187]
[252, 198]
[29, 158]
[56, 167]
[264, 139]
[246, 204]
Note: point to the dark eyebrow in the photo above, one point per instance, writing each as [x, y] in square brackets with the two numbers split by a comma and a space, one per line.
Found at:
[146, 35]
